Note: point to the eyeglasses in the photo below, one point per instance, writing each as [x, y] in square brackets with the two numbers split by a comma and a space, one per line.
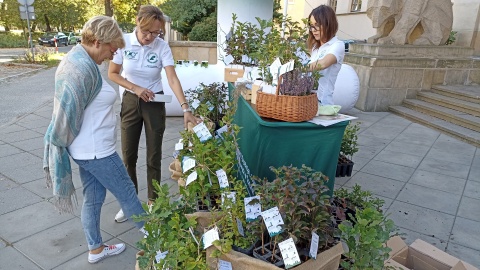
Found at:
[154, 33]
[313, 28]
[113, 51]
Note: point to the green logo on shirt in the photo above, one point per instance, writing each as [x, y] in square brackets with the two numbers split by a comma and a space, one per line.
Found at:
[130, 54]
[152, 58]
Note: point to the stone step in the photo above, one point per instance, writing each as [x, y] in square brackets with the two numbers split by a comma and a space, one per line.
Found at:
[470, 93]
[456, 131]
[456, 117]
[450, 102]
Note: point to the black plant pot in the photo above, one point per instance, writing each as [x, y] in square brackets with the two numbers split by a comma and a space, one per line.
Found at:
[344, 167]
[248, 251]
[266, 255]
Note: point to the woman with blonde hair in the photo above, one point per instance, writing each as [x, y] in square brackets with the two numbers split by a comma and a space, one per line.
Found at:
[83, 126]
[142, 60]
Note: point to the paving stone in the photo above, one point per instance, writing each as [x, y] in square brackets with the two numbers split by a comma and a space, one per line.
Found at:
[7, 184]
[388, 170]
[20, 160]
[410, 236]
[359, 162]
[12, 128]
[11, 258]
[30, 144]
[407, 148]
[445, 167]
[466, 232]
[377, 185]
[474, 174]
[379, 131]
[39, 187]
[472, 189]
[21, 136]
[425, 197]
[65, 241]
[26, 174]
[421, 220]
[16, 198]
[469, 208]
[8, 150]
[21, 223]
[465, 254]
[438, 181]
[414, 138]
[399, 158]
[451, 156]
[368, 152]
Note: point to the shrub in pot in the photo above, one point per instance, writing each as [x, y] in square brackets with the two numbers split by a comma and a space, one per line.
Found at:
[348, 147]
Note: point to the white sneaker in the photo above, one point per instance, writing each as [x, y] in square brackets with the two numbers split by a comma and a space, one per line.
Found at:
[107, 251]
[120, 217]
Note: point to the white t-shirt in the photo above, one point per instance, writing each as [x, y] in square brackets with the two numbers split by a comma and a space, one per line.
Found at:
[142, 65]
[97, 135]
[326, 84]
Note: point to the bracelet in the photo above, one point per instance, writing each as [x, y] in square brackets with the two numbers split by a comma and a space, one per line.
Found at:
[183, 103]
[187, 110]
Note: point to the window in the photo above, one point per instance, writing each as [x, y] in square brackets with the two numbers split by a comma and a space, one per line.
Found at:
[356, 5]
[333, 4]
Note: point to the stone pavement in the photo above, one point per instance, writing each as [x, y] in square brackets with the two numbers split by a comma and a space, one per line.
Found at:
[430, 183]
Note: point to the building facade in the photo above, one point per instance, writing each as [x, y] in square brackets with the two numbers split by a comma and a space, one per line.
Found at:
[354, 23]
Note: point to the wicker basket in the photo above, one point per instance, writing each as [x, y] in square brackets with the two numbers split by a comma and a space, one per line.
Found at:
[287, 108]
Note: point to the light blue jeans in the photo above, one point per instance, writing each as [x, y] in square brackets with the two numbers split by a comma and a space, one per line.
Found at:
[97, 176]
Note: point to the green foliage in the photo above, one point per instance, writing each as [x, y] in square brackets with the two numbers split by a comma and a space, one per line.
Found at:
[186, 13]
[358, 198]
[366, 239]
[42, 55]
[300, 195]
[212, 98]
[11, 40]
[451, 38]
[349, 144]
[169, 230]
[205, 30]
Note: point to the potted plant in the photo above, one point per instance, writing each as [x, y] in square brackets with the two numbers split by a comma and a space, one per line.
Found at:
[366, 239]
[348, 147]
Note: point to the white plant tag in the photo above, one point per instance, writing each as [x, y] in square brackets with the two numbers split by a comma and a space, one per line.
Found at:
[228, 59]
[188, 163]
[209, 106]
[253, 208]
[286, 68]
[202, 132]
[160, 256]
[246, 59]
[209, 237]
[220, 131]
[241, 231]
[179, 146]
[228, 196]
[195, 104]
[269, 89]
[274, 68]
[222, 178]
[289, 253]
[314, 246]
[192, 177]
[273, 221]
[224, 265]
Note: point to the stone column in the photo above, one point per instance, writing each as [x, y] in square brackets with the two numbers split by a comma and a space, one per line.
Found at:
[466, 21]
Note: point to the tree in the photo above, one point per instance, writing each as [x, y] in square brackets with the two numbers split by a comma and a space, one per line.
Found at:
[205, 30]
[10, 15]
[186, 13]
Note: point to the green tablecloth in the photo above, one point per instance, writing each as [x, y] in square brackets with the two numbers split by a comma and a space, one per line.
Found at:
[270, 143]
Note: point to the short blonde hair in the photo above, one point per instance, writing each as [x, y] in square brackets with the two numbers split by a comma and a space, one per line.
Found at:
[103, 29]
[147, 14]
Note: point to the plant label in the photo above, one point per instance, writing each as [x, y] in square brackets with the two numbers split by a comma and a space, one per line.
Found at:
[289, 253]
[274, 68]
[222, 178]
[209, 106]
[246, 59]
[188, 163]
[253, 208]
[228, 59]
[192, 177]
[220, 131]
[314, 246]
[160, 255]
[224, 265]
[178, 146]
[273, 221]
[202, 132]
[228, 196]
[241, 231]
[195, 104]
[209, 237]
[285, 68]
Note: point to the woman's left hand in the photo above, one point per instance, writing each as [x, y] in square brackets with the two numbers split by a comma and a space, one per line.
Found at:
[189, 117]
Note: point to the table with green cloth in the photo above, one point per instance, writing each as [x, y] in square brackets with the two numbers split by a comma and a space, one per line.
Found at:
[265, 142]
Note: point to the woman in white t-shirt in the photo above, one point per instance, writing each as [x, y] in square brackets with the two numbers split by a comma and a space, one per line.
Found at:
[327, 51]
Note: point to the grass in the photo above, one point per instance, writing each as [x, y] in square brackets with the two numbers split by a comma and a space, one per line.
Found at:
[43, 57]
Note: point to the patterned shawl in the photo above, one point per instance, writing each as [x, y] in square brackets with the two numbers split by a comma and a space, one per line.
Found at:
[77, 83]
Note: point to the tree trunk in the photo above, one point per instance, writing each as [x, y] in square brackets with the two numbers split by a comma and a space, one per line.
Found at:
[108, 8]
[47, 23]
